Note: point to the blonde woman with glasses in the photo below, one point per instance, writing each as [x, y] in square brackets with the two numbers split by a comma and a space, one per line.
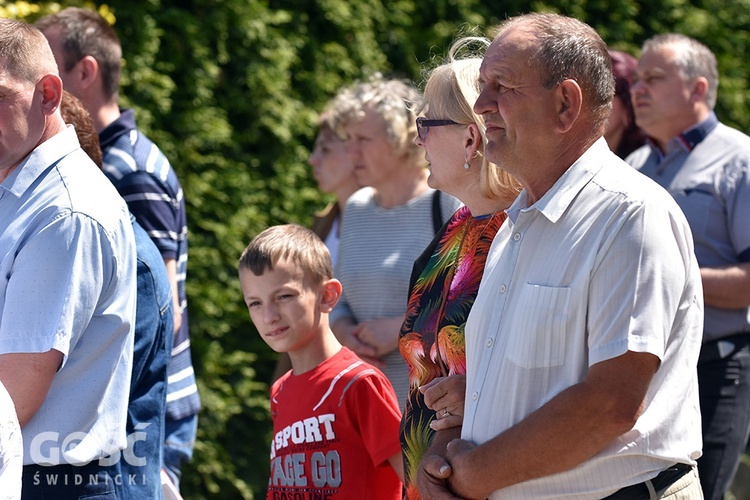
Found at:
[445, 279]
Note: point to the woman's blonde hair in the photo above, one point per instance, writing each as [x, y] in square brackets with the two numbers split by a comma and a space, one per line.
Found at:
[451, 90]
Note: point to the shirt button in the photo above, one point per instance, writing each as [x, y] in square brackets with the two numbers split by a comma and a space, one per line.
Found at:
[475, 396]
[489, 342]
[517, 236]
[503, 288]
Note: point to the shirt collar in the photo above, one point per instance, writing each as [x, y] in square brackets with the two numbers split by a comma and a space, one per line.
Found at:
[557, 199]
[40, 159]
[124, 124]
[689, 138]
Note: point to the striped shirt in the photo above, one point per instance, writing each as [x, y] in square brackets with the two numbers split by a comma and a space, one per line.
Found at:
[377, 250]
[149, 185]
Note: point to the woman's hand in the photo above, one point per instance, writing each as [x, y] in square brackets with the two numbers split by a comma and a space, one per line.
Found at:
[445, 396]
[344, 329]
[380, 333]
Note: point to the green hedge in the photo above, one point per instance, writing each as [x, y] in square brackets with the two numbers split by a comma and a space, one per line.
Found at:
[229, 89]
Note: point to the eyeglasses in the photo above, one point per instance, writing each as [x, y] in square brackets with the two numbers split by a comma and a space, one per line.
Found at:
[423, 125]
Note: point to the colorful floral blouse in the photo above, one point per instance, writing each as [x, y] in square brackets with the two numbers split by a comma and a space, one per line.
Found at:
[445, 282]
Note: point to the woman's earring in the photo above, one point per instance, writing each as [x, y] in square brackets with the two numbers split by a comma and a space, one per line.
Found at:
[466, 165]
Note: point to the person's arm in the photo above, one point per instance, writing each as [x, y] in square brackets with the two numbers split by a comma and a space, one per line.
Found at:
[568, 430]
[171, 265]
[445, 396]
[28, 377]
[431, 477]
[155, 207]
[441, 394]
[68, 255]
[397, 462]
[726, 288]
[372, 404]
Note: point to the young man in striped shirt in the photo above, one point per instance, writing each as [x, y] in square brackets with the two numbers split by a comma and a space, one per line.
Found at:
[88, 52]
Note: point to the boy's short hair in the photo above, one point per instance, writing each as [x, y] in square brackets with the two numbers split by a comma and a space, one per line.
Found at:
[289, 241]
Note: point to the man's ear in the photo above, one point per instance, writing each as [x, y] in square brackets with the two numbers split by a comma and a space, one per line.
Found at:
[88, 71]
[570, 101]
[330, 293]
[700, 90]
[52, 92]
[84, 73]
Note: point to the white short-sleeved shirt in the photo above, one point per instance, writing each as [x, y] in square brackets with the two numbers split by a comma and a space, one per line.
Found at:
[11, 449]
[602, 264]
[68, 282]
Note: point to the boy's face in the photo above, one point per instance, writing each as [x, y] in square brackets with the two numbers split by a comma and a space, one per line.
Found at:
[284, 307]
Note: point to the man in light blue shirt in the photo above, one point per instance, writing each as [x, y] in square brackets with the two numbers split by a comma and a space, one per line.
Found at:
[704, 165]
[67, 282]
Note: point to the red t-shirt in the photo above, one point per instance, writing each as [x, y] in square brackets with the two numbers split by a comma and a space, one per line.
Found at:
[334, 429]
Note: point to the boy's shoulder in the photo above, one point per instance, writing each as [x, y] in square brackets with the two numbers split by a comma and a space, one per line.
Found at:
[346, 365]
[339, 372]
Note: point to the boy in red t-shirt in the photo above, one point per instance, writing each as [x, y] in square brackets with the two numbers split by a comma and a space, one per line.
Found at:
[336, 418]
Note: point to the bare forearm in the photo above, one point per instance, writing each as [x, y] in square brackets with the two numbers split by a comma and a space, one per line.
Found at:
[397, 462]
[27, 378]
[571, 428]
[171, 265]
[726, 288]
[555, 439]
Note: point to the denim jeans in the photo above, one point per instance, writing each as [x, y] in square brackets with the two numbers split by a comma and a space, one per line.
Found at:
[178, 446]
[724, 387]
[90, 481]
[137, 470]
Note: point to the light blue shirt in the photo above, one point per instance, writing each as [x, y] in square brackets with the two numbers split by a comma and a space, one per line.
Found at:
[68, 282]
[707, 171]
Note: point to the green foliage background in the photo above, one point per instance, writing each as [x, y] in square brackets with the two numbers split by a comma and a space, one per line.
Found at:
[230, 89]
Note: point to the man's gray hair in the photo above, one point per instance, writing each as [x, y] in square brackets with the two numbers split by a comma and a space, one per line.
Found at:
[571, 49]
[692, 57]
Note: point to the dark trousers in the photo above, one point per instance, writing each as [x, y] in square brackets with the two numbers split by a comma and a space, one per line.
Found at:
[724, 386]
[67, 482]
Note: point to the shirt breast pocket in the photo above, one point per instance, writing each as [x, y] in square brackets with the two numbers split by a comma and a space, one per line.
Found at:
[539, 332]
[700, 208]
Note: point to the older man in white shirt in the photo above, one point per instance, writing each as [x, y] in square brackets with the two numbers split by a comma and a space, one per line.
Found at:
[584, 337]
